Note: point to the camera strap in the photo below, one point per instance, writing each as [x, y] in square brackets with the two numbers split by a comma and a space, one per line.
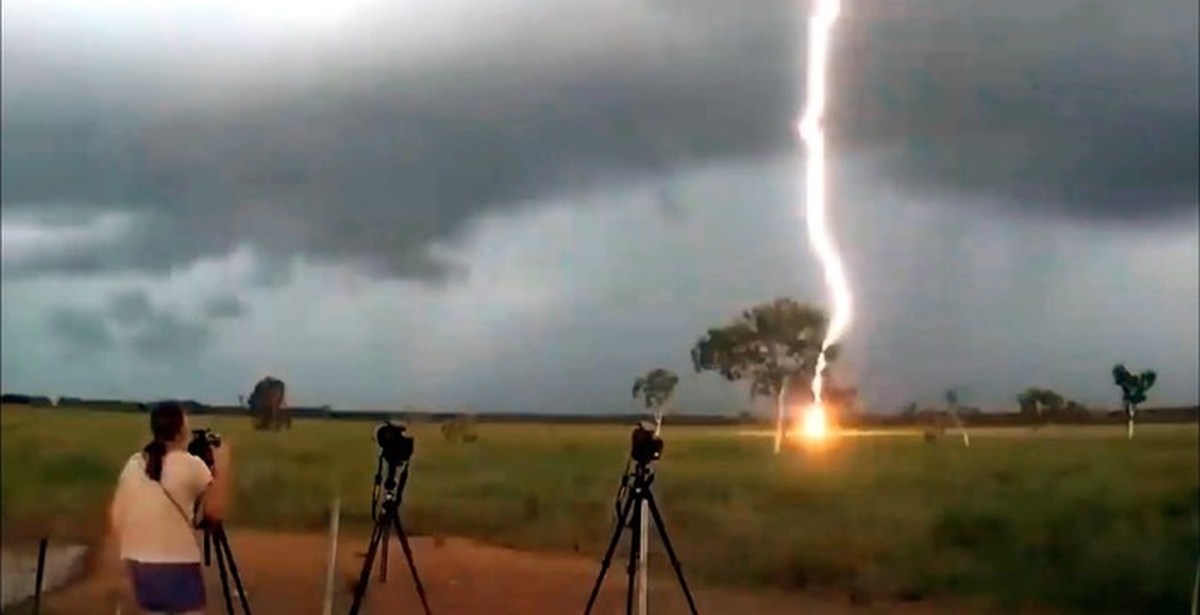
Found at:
[189, 520]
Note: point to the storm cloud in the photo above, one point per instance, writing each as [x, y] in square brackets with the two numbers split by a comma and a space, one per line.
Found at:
[130, 320]
[379, 150]
[225, 306]
[81, 330]
[518, 205]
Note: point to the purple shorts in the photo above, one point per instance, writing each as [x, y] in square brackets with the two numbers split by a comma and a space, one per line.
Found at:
[167, 588]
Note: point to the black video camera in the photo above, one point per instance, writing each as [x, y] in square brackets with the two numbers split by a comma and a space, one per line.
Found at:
[647, 446]
[395, 445]
[202, 444]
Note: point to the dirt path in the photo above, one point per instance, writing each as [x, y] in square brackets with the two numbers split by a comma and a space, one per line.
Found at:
[285, 574]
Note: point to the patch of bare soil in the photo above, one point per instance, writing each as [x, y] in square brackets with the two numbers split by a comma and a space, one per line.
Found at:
[284, 574]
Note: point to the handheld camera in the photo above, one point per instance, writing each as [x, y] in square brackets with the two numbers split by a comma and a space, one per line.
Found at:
[202, 444]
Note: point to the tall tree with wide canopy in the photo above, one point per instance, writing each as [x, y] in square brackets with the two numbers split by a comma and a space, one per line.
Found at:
[1133, 390]
[772, 347]
[655, 388]
[267, 407]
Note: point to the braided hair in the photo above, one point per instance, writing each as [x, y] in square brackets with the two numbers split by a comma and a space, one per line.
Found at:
[166, 420]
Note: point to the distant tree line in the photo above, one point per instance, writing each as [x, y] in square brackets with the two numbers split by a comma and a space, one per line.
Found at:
[770, 348]
[26, 400]
[910, 415]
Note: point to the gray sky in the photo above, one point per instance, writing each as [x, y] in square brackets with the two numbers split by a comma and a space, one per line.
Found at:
[520, 205]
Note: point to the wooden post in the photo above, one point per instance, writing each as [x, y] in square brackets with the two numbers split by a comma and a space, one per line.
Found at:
[41, 571]
[335, 514]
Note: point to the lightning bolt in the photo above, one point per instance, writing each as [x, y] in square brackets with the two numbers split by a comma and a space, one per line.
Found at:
[812, 132]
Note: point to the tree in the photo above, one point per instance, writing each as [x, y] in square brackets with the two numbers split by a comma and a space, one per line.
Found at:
[655, 388]
[1133, 390]
[267, 407]
[1040, 405]
[770, 346]
[952, 407]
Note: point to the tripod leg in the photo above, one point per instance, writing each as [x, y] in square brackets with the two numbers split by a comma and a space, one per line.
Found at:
[411, 565]
[662, 532]
[643, 573]
[224, 575]
[635, 545]
[608, 554]
[383, 548]
[365, 576]
[233, 572]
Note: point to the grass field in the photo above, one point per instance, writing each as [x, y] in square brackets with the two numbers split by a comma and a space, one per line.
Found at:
[1074, 519]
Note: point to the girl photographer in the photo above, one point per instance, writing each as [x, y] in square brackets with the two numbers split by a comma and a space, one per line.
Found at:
[162, 493]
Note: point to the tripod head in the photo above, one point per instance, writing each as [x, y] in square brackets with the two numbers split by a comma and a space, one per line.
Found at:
[392, 488]
[387, 485]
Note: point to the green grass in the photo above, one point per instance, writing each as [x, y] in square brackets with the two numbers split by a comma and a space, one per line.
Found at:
[1075, 519]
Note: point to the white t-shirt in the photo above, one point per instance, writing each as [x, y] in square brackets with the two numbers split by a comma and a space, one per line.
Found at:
[150, 527]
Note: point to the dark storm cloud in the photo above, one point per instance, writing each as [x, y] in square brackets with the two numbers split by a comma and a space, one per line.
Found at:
[81, 330]
[225, 306]
[1083, 109]
[166, 336]
[152, 332]
[131, 308]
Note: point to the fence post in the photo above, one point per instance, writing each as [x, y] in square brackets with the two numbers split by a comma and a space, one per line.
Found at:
[41, 571]
[335, 514]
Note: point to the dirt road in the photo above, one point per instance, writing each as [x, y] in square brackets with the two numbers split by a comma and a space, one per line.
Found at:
[285, 574]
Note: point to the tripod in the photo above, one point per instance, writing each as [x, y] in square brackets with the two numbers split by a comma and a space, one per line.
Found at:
[629, 515]
[214, 534]
[384, 523]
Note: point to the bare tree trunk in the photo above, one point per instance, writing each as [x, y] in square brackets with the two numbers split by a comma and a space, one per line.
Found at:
[962, 427]
[781, 412]
[1130, 411]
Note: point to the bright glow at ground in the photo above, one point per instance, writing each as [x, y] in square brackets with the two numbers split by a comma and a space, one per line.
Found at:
[814, 425]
